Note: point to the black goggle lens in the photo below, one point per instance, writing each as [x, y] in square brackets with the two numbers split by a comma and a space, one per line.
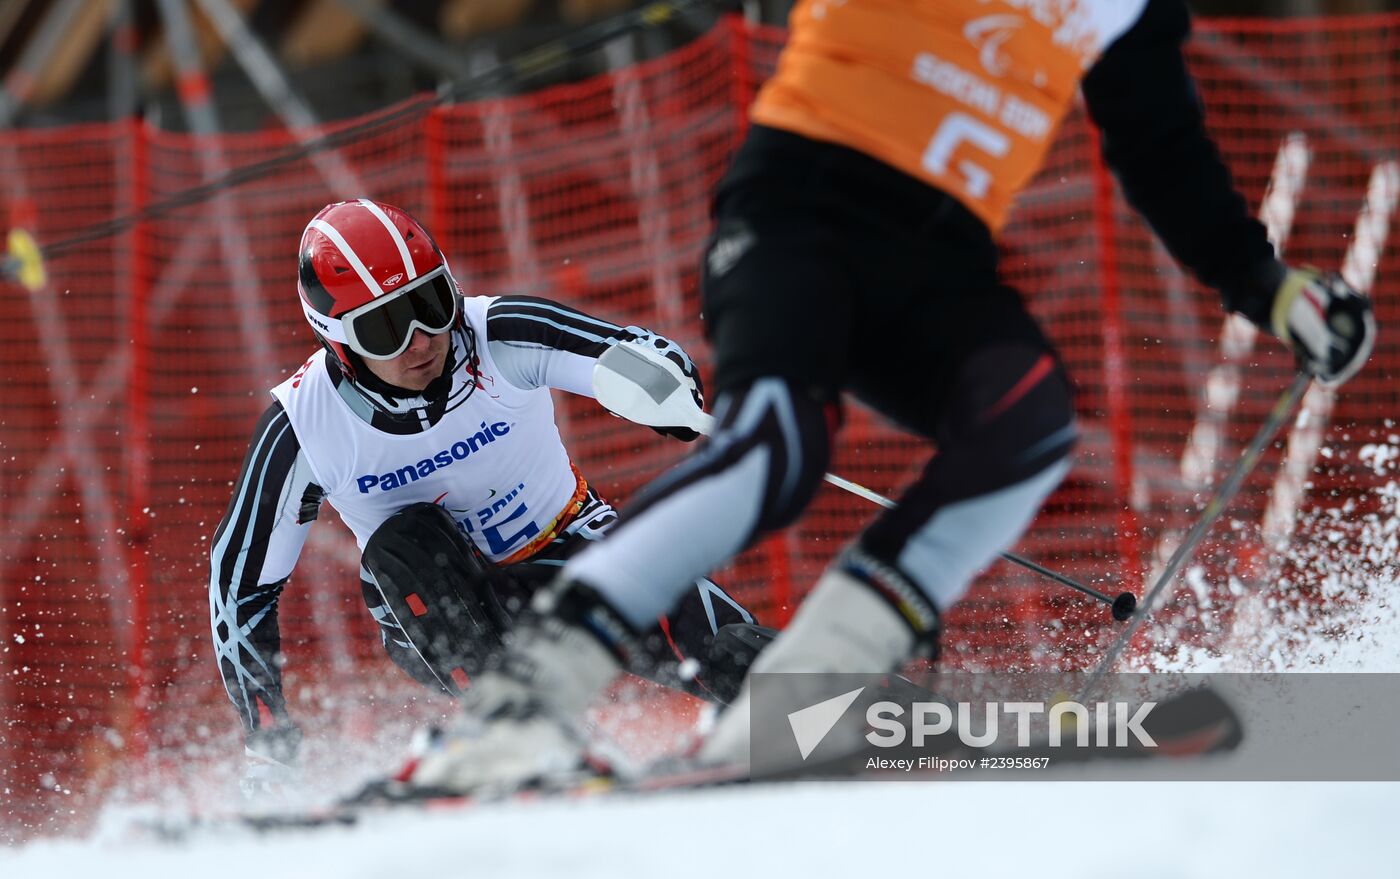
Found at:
[383, 331]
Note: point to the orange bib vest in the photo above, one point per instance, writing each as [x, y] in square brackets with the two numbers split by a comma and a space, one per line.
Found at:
[963, 94]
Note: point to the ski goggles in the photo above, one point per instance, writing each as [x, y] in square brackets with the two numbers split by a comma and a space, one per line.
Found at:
[383, 328]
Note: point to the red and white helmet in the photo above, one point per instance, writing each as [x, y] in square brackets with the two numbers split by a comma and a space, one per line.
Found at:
[368, 276]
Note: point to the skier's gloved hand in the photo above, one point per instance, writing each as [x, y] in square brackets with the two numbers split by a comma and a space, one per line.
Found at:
[1327, 322]
[265, 779]
[690, 375]
[684, 434]
[269, 768]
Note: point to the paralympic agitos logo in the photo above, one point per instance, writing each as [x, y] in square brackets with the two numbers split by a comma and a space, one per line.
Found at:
[458, 451]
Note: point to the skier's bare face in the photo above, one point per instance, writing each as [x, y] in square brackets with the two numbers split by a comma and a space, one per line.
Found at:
[420, 363]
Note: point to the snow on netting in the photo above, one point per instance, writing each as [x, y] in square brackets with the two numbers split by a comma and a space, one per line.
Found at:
[134, 379]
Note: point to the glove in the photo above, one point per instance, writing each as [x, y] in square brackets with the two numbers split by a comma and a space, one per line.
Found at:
[1327, 322]
[269, 770]
[684, 434]
[265, 778]
[676, 355]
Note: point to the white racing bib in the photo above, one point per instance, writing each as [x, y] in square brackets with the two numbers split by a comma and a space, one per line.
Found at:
[496, 462]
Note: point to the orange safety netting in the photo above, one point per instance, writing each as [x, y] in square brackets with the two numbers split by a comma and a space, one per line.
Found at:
[133, 379]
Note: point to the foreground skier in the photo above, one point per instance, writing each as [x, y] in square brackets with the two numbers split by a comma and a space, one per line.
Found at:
[855, 251]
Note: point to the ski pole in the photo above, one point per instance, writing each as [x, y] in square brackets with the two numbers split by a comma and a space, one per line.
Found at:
[1280, 413]
[1122, 605]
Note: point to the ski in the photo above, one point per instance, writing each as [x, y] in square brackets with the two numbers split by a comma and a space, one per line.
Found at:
[1195, 723]
[388, 796]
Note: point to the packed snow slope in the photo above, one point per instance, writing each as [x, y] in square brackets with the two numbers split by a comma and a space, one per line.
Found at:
[1083, 825]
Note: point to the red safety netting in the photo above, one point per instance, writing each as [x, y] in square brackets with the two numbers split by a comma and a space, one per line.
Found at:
[134, 378]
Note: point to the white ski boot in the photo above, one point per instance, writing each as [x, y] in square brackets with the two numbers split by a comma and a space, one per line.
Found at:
[862, 617]
[520, 724]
